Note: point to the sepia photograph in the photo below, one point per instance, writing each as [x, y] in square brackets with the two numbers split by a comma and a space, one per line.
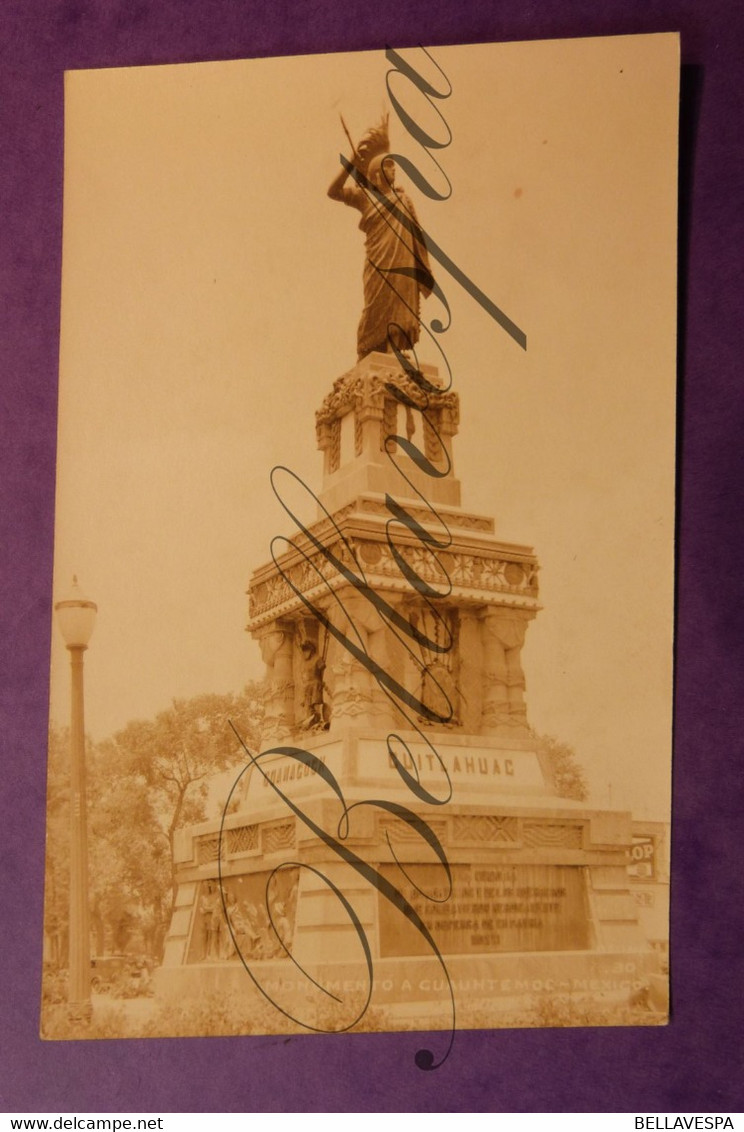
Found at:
[361, 670]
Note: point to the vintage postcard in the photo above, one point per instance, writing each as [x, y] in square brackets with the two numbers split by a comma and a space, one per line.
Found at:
[366, 485]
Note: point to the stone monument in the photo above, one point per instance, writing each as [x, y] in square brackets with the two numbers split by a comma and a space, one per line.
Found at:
[400, 784]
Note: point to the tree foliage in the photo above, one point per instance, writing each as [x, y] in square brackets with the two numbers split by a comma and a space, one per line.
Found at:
[566, 770]
[145, 783]
[173, 757]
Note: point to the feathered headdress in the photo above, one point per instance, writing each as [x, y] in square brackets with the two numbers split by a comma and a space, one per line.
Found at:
[377, 139]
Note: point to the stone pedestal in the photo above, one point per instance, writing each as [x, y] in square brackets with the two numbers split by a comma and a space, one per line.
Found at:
[424, 840]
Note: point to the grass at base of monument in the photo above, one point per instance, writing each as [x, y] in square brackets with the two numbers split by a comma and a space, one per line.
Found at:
[554, 1011]
[212, 1015]
[218, 1015]
[562, 1010]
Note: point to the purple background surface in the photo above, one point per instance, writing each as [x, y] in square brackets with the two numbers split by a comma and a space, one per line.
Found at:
[694, 1064]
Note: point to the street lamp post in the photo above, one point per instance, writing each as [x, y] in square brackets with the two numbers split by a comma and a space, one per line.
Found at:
[76, 616]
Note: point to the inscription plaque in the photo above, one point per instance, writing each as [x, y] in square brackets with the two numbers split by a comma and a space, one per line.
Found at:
[492, 908]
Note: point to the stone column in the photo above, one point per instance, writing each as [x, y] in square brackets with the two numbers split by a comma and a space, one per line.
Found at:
[470, 669]
[504, 709]
[327, 442]
[351, 685]
[448, 419]
[432, 436]
[275, 642]
[382, 710]
[369, 404]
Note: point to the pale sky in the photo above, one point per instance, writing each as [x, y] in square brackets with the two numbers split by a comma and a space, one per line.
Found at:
[211, 293]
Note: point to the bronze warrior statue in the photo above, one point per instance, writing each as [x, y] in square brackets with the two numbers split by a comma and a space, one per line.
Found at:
[396, 263]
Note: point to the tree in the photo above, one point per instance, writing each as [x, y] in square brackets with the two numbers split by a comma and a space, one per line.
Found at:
[129, 870]
[565, 768]
[146, 782]
[168, 763]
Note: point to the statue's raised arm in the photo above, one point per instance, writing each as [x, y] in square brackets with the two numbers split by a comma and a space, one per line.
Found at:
[396, 263]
